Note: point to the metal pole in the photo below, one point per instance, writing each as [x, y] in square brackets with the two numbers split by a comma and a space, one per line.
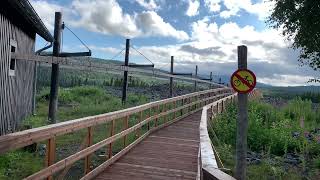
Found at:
[125, 74]
[196, 76]
[171, 78]
[242, 123]
[53, 104]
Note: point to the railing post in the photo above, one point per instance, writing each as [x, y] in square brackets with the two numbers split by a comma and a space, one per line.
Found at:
[125, 126]
[87, 160]
[111, 134]
[156, 113]
[182, 104]
[148, 127]
[140, 120]
[50, 153]
[174, 107]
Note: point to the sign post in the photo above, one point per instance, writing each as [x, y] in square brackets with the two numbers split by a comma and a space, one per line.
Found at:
[243, 81]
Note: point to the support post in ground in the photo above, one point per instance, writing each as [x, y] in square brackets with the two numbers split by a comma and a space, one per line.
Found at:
[125, 74]
[196, 76]
[242, 123]
[171, 78]
[53, 104]
[210, 80]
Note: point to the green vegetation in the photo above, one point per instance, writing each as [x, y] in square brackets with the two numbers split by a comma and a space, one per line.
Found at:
[273, 134]
[297, 19]
[73, 103]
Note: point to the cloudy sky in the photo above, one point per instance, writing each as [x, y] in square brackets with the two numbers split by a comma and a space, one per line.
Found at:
[197, 32]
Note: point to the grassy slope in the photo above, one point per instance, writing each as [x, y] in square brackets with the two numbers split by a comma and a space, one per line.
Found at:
[73, 103]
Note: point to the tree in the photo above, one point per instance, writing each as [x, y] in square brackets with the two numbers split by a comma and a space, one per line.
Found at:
[300, 21]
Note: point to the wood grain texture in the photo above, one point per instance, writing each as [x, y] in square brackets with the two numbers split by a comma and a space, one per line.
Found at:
[16, 91]
[169, 153]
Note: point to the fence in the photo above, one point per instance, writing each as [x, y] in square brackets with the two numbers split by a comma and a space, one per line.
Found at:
[170, 110]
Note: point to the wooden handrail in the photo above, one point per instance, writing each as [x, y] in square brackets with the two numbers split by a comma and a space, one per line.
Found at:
[208, 166]
[24, 138]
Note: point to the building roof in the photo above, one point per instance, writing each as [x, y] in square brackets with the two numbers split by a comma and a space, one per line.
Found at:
[31, 17]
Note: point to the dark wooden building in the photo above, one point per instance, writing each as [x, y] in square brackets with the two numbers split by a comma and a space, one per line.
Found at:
[19, 24]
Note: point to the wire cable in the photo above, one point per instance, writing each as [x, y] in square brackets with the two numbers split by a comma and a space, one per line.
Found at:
[117, 54]
[65, 26]
[142, 55]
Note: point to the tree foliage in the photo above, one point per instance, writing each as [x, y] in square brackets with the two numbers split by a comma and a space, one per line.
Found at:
[300, 20]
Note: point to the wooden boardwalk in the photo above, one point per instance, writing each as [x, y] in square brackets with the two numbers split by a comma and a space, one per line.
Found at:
[169, 153]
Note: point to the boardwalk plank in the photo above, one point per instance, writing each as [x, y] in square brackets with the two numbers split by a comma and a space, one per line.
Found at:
[170, 153]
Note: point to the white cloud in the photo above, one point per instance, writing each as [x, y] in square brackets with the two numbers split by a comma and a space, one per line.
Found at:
[107, 17]
[152, 24]
[213, 5]
[193, 7]
[46, 11]
[261, 9]
[149, 5]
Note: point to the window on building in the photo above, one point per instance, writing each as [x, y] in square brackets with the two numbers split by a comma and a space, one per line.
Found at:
[13, 63]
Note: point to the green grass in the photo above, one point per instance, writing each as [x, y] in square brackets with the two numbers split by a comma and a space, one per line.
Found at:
[270, 134]
[74, 103]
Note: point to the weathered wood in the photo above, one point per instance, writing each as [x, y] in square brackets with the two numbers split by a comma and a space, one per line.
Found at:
[54, 86]
[50, 153]
[195, 82]
[16, 91]
[242, 122]
[27, 137]
[87, 159]
[112, 126]
[171, 78]
[125, 126]
[125, 73]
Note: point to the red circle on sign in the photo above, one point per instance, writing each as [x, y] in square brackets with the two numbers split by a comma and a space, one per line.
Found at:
[251, 87]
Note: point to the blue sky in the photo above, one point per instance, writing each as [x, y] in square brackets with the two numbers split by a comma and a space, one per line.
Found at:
[197, 32]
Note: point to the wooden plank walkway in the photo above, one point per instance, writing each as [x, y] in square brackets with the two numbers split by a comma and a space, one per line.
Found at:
[169, 153]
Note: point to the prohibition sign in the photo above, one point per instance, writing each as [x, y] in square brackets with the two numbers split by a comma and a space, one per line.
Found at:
[243, 80]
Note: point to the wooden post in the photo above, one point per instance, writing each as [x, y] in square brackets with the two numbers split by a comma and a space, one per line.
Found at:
[50, 153]
[150, 120]
[171, 78]
[174, 107]
[125, 74]
[220, 82]
[156, 113]
[196, 76]
[140, 120]
[111, 134]
[125, 126]
[87, 160]
[53, 104]
[210, 79]
[242, 123]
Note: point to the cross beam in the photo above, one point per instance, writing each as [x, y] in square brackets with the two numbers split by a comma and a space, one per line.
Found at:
[74, 54]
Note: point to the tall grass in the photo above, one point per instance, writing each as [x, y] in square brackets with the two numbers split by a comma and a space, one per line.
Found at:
[270, 133]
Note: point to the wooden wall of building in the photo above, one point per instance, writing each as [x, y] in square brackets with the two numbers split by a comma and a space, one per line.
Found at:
[15, 91]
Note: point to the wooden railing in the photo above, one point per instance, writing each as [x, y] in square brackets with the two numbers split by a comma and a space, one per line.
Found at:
[170, 110]
[208, 166]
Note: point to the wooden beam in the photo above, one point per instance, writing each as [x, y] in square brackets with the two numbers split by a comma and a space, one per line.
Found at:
[182, 74]
[53, 102]
[72, 54]
[171, 78]
[50, 154]
[87, 159]
[196, 76]
[112, 125]
[141, 65]
[242, 122]
[125, 74]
